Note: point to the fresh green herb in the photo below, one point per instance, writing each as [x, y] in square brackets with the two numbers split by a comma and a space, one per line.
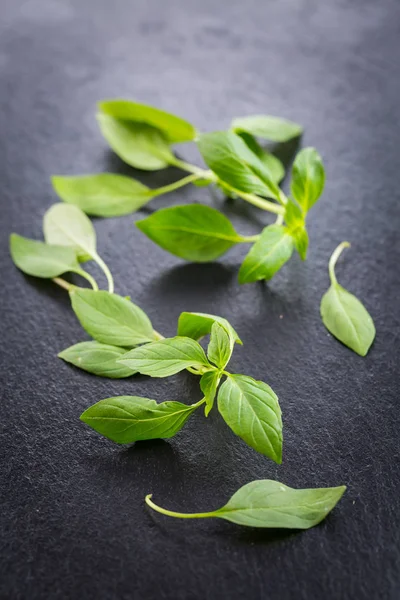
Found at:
[193, 232]
[209, 383]
[112, 319]
[220, 347]
[344, 315]
[197, 325]
[271, 162]
[99, 359]
[67, 225]
[268, 255]
[267, 503]
[308, 178]
[128, 419]
[267, 127]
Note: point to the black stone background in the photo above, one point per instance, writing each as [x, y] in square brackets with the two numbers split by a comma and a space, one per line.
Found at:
[73, 522]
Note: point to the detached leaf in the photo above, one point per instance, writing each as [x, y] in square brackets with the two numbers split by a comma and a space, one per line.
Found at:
[220, 348]
[267, 503]
[174, 128]
[344, 315]
[96, 358]
[127, 419]
[234, 163]
[196, 325]
[111, 319]
[269, 253]
[103, 195]
[193, 232]
[267, 127]
[271, 162]
[42, 260]
[251, 409]
[166, 357]
[208, 384]
[137, 144]
[67, 225]
[308, 178]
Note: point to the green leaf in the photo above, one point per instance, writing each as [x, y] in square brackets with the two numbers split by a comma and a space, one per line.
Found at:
[300, 237]
[174, 128]
[137, 144]
[308, 178]
[127, 419]
[42, 260]
[344, 315]
[193, 232]
[67, 225]
[96, 358]
[271, 162]
[267, 127]
[234, 163]
[270, 252]
[102, 195]
[267, 503]
[251, 410]
[111, 319]
[196, 325]
[166, 357]
[208, 384]
[220, 348]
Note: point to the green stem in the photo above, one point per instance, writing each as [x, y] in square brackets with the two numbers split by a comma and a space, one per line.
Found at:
[248, 239]
[64, 284]
[171, 513]
[158, 335]
[175, 186]
[279, 220]
[106, 272]
[88, 277]
[334, 258]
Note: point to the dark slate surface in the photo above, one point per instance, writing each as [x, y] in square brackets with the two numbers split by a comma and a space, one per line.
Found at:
[73, 522]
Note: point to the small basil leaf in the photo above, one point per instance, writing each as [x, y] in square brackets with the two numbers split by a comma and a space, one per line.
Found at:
[67, 225]
[166, 357]
[269, 253]
[208, 384]
[272, 163]
[252, 411]
[111, 319]
[197, 325]
[234, 163]
[41, 260]
[193, 232]
[294, 216]
[300, 237]
[344, 315]
[96, 358]
[102, 195]
[127, 419]
[220, 348]
[174, 128]
[267, 127]
[137, 144]
[308, 178]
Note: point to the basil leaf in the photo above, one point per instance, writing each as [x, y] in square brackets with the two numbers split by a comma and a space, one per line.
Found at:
[193, 232]
[300, 237]
[166, 357]
[197, 325]
[267, 127]
[174, 128]
[111, 319]
[234, 163]
[96, 358]
[42, 260]
[208, 384]
[267, 503]
[127, 419]
[269, 253]
[67, 225]
[220, 348]
[102, 195]
[271, 162]
[251, 410]
[308, 178]
[344, 315]
[137, 144]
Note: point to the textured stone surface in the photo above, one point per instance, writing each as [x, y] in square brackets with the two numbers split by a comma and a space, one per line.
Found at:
[73, 523]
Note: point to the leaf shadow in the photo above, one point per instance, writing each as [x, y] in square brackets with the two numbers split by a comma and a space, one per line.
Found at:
[49, 288]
